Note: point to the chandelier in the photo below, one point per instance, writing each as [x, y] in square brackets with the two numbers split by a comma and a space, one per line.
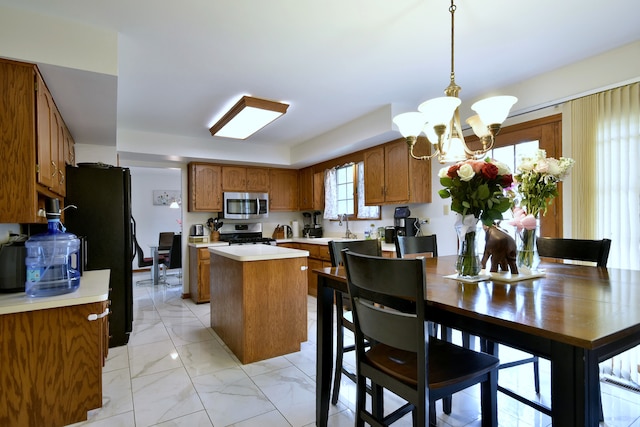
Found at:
[439, 119]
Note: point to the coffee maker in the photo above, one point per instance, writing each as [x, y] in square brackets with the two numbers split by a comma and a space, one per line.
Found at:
[403, 223]
[312, 228]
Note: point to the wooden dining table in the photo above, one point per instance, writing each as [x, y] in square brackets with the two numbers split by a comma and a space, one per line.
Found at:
[575, 316]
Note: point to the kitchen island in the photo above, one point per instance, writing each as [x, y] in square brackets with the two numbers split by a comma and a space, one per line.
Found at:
[52, 350]
[259, 299]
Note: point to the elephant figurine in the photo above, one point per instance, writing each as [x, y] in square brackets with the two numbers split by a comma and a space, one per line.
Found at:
[501, 247]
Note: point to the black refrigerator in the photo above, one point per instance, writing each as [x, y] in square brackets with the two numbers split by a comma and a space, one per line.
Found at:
[102, 195]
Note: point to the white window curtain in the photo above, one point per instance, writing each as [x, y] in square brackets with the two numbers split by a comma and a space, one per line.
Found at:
[606, 185]
[330, 194]
[365, 212]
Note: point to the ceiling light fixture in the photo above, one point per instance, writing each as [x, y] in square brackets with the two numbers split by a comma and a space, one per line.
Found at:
[247, 116]
[439, 119]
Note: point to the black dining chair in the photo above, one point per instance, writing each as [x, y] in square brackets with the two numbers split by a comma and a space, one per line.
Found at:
[143, 262]
[174, 257]
[343, 306]
[416, 245]
[389, 312]
[594, 251]
[165, 240]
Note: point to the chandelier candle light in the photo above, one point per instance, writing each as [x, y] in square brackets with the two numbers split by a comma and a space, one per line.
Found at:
[439, 119]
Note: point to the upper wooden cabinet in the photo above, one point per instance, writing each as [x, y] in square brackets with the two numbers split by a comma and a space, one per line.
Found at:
[283, 190]
[33, 144]
[238, 178]
[391, 176]
[310, 190]
[205, 187]
[318, 191]
[305, 189]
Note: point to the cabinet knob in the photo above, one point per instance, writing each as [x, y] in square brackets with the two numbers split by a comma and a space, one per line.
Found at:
[304, 267]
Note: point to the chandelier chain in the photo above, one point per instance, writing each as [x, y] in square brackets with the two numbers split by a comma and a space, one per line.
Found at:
[452, 9]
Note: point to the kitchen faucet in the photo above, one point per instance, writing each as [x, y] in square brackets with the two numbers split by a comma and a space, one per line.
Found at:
[347, 234]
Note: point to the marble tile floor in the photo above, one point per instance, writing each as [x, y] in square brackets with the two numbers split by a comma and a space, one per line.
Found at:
[175, 371]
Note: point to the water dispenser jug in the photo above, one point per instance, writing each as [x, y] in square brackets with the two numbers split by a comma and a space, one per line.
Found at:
[52, 258]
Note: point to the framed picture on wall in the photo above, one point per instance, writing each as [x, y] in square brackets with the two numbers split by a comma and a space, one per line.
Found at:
[165, 197]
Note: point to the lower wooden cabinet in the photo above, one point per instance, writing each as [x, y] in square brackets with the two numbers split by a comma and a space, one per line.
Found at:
[318, 258]
[199, 261]
[51, 370]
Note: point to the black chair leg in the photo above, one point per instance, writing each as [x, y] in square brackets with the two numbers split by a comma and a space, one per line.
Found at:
[339, 348]
[536, 374]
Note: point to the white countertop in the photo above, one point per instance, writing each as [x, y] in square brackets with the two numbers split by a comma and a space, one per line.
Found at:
[386, 247]
[208, 245]
[94, 287]
[257, 252]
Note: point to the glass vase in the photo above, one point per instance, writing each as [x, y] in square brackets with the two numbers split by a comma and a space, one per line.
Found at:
[527, 258]
[468, 263]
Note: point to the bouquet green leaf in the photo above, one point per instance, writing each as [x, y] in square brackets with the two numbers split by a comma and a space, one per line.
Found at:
[476, 187]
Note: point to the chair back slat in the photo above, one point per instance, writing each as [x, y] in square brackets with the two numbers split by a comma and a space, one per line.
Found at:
[575, 249]
[366, 247]
[416, 245]
[165, 240]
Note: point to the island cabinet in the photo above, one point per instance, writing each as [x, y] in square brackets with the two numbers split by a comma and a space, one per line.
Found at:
[36, 140]
[199, 261]
[318, 258]
[52, 351]
[259, 299]
[204, 187]
[392, 176]
[283, 190]
[241, 179]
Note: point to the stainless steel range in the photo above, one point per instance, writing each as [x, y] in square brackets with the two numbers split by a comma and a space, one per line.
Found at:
[244, 234]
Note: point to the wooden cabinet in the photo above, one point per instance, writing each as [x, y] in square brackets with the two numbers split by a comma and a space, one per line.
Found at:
[391, 176]
[310, 190]
[51, 372]
[305, 189]
[199, 262]
[259, 308]
[238, 178]
[205, 187]
[283, 190]
[318, 191]
[318, 258]
[32, 144]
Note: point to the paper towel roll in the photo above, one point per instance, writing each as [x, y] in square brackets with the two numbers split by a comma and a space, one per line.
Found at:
[295, 228]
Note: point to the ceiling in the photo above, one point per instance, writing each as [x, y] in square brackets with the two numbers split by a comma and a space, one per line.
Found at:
[181, 63]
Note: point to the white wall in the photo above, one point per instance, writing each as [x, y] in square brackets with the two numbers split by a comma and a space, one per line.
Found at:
[153, 219]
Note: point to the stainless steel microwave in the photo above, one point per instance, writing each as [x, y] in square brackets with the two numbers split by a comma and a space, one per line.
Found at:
[246, 205]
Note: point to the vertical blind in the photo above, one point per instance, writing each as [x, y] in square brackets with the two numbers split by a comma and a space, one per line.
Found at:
[605, 140]
[606, 180]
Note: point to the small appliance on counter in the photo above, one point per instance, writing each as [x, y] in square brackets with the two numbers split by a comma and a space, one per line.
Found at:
[389, 234]
[12, 266]
[197, 234]
[404, 225]
[312, 228]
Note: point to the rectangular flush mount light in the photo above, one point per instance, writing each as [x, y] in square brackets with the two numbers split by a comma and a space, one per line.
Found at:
[248, 116]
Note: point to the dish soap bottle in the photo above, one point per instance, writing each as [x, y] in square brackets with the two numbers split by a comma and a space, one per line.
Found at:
[373, 234]
[51, 258]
